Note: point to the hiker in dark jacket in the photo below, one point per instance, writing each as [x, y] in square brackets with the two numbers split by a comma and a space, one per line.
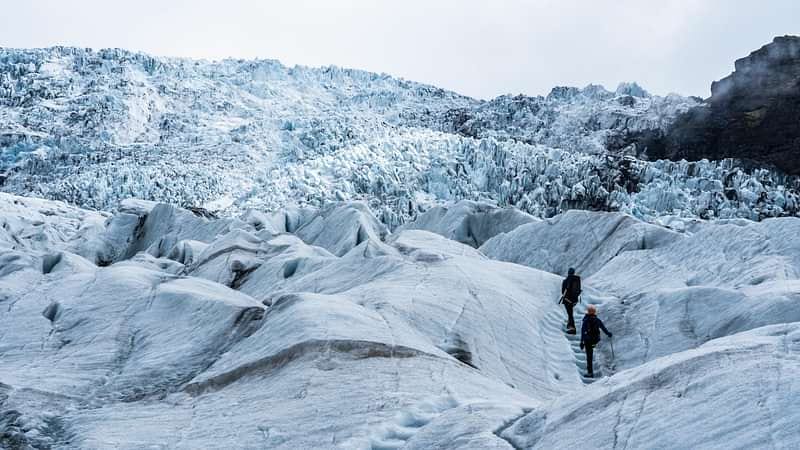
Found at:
[590, 336]
[570, 295]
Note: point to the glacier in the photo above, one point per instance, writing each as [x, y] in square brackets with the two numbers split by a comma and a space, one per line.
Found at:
[240, 254]
[156, 326]
[96, 127]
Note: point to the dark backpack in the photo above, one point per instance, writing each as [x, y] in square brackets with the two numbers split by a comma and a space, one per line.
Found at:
[573, 288]
[593, 331]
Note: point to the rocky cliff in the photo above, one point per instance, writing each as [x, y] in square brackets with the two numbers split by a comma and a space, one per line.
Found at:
[751, 115]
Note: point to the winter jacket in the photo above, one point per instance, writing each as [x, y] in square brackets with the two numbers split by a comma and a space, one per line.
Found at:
[571, 288]
[590, 330]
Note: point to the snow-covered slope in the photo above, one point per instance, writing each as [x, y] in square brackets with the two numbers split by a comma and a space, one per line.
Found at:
[331, 258]
[469, 222]
[341, 351]
[95, 127]
[735, 392]
[583, 240]
[157, 327]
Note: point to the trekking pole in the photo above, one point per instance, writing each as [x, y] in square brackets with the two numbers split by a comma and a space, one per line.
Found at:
[611, 341]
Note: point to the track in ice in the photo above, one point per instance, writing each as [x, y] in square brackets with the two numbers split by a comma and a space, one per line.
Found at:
[395, 433]
[557, 323]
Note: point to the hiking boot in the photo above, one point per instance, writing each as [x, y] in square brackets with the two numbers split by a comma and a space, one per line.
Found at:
[588, 375]
[571, 330]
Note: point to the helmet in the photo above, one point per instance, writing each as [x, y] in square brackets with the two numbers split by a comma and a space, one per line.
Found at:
[571, 271]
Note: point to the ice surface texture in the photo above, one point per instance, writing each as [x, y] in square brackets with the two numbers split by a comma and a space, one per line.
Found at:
[159, 327]
[96, 127]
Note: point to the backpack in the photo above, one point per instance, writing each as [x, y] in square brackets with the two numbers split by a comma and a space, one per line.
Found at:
[573, 288]
[593, 331]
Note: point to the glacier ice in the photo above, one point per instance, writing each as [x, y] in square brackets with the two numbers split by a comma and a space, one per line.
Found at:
[469, 222]
[239, 254]
[96, 127]
[583, 240]
[714, 396]
[236, 332]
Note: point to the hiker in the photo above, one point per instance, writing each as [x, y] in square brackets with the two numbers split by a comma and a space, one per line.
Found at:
[570, 296]
[590, 336]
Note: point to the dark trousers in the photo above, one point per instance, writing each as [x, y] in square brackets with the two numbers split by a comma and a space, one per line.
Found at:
[570, 318]
[589, 354]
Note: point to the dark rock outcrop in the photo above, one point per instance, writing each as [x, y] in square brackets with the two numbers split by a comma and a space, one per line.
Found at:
[752, 115]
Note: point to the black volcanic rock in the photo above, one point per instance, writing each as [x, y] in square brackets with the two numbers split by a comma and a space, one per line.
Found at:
[752, 115]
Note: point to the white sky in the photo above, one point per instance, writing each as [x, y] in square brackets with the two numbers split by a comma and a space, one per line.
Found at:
[479, 48]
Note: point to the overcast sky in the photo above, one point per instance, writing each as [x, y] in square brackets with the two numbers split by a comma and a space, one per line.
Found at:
[478, 48]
